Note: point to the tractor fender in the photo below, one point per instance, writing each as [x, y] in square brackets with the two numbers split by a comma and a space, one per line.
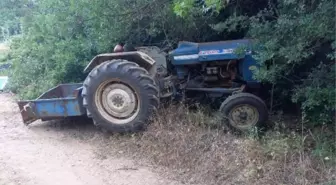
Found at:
[142, 59]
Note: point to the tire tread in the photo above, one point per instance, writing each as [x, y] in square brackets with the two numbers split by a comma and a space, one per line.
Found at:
[131, 69]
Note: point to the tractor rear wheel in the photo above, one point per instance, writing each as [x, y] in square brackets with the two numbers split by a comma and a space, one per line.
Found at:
[120, 96]
[244, 111]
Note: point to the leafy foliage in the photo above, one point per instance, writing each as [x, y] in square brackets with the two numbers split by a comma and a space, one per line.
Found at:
[297, 40]
[11, 12]
[296, 37]
[317, 94]
[185, 8]
[61, 37]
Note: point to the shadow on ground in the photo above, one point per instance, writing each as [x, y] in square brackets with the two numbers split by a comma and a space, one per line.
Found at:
[76, 127]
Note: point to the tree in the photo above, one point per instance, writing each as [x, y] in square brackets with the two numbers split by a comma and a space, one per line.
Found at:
[297, 37]
[60, 37]
[297, 40]
[11, 13]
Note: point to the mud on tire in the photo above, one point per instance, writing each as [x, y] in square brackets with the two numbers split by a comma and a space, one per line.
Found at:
[120, 96]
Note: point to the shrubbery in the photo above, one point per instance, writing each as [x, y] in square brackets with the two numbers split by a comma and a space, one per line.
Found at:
[298, 41]
[297, 52]
[59, 38]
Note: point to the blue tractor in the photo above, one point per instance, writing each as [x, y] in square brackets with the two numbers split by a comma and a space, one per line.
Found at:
[123, 89]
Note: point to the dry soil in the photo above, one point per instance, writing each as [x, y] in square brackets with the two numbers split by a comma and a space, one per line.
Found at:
[52, 153]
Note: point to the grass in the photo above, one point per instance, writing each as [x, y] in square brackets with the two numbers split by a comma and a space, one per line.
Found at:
[198, 149]
[190, 144]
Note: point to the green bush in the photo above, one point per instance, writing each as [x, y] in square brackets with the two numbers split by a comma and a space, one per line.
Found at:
[297, 37]
[297, 54]
[60, 37]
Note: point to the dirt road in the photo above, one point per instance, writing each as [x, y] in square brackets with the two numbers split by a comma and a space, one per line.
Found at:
[56, 153]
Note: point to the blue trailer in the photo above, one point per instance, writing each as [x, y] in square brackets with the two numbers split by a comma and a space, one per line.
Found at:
[123, 89]
[59, 102]
[3, 82]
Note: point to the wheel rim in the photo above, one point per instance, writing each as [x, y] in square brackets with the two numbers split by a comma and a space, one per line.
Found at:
[117, 102]
[244, 116]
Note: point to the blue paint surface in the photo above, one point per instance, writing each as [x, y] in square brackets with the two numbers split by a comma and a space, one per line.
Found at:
[186, 48]
[3, 82]
[59, 102]
[192, 53]
[62, 107]
[181, 71]
[246, 68]
[189, 53]
[62, 101]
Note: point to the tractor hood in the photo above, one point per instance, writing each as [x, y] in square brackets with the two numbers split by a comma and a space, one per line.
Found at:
[191, 53]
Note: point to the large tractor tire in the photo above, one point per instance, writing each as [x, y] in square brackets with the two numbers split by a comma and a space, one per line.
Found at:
[120, 96]
[244, 111]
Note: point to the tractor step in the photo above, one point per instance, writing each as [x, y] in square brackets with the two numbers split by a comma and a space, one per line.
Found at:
[59, 102]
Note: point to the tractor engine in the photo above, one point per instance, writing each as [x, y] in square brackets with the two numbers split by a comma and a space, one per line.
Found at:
[212, 74]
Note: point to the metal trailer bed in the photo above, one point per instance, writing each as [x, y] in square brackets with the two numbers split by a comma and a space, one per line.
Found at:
[59, 102]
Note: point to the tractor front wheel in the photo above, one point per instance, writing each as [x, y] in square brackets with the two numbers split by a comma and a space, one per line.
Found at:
[120, 96]
[244, 111]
